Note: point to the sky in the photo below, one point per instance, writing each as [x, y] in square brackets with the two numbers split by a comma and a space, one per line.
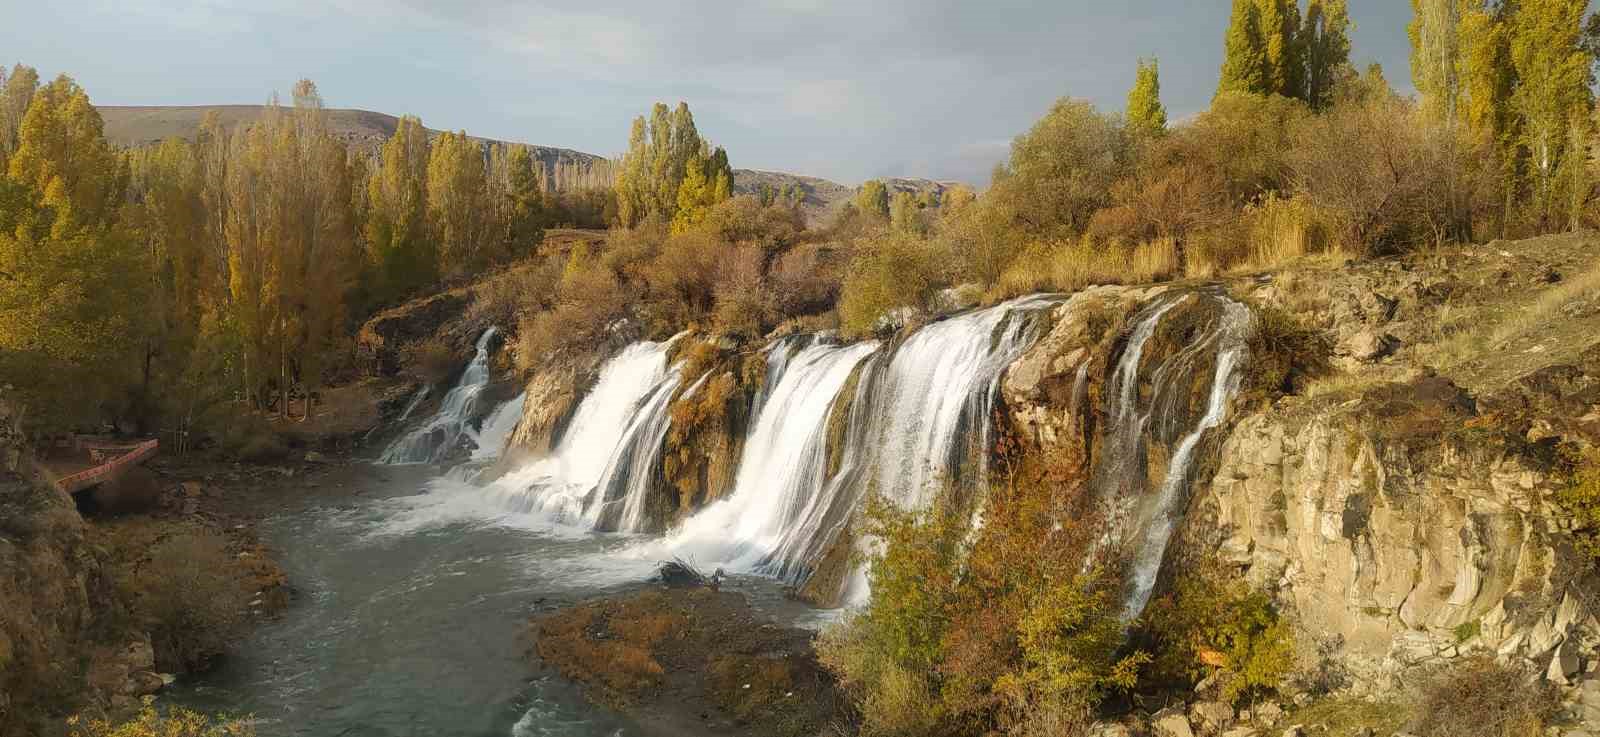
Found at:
[843, 89]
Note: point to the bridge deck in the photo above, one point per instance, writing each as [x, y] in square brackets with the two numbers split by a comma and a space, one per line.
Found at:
[119, 462]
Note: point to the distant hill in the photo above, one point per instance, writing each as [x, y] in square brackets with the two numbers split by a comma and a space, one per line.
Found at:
[132, 126]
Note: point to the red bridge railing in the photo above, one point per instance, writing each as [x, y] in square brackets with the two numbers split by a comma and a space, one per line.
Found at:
[109, 470]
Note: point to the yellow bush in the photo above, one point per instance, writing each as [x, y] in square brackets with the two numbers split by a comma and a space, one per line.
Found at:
[174, 722]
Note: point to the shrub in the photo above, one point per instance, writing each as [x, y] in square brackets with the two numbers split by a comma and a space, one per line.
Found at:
[1210, 622]
[1010, 628]
[890, 272]
[170, 722]
[743, 304]
[1581, 499]
[1285, 355]
[187, 593]
[1482, 698]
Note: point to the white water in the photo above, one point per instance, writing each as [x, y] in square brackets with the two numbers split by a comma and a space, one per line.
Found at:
[1151, 517]
[935, 399]
[560, 485]
[452, 424]
[497, 428]
[625, 486]
[778, 501]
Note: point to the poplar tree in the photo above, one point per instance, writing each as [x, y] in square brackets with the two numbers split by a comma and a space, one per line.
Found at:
[1436, 62]
[459, 209]
[1552, 92]
[1146, 114]
[16, 93]
[400, 253]
[1325, 42]
[872, 199]
[1277, 24]
[661, 154]
[1244, 60]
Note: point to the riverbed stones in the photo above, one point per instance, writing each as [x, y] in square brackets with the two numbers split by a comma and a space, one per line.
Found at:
[1211, 716]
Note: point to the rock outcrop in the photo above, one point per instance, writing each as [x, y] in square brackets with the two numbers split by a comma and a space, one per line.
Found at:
[63, 643]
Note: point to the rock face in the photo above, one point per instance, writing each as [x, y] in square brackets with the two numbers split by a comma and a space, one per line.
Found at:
[382, 341]
[1396, 524]
[1398, 528]
[61, 643]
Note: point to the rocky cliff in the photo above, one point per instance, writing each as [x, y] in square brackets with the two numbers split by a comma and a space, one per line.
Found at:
[64, 643]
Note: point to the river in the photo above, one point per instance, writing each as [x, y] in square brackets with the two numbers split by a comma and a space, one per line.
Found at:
[410, 617]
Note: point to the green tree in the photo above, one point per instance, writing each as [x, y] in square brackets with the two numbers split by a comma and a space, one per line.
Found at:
[526, 216]
[1552, 89]
[1436, 62]
[1278, 22]
[1325, 43]
[1244, 61]
[1146, 115]
[905, 213]
[399, 250]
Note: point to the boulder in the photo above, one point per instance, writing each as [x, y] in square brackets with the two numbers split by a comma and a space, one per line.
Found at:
[1171, 722]
[1564, 663]
[1211, 716]
[1369, 346]
[144, 683]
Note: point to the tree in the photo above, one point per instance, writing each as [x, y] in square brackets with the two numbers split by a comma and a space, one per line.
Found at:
[526, 207]
[661, 154]
[16, 93]
[1325, 42]
[905, 214]
[1244, 60]
[63, 156]
[1552, 87]
[72, 281]
[1278, 22]
[1435, 32]
[1061, 170]
[459, 210]
[1146, 115]
[872, 199]
[399, 251]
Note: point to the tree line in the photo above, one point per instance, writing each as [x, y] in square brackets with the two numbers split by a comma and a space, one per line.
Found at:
[154, 282]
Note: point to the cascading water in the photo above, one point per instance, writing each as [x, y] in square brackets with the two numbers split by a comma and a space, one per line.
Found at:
[936, 396]
[777, 504]
[497, 427]
[920, 416]
[619, 502]
[562, 485]
[1146, 519]
[443, 432]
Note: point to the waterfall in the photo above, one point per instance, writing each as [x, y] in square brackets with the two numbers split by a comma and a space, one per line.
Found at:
[443, 432]
[920, 415]
[777, 504]
[497, 428]
[935, 399]
[563, 484]
[620, 498]
[1147, 519]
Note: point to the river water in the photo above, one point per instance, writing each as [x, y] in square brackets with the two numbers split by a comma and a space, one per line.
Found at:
[411, 613]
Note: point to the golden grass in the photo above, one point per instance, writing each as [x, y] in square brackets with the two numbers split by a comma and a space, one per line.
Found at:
[1074, 265]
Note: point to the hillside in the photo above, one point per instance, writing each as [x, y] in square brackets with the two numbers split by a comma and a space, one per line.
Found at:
[131, 126]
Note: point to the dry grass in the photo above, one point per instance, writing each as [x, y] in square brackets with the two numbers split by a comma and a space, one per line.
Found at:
[613, 648]
[1583, 287]
[1074, 265]
[1481, 698]
[1347, 717]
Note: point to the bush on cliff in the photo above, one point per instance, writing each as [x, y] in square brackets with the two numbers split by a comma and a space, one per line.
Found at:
[1581, 499]
[1483, 698]
[1009, 629]
[1211, 623]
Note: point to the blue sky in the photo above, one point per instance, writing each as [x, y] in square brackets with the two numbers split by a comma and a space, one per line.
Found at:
[844, 89]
